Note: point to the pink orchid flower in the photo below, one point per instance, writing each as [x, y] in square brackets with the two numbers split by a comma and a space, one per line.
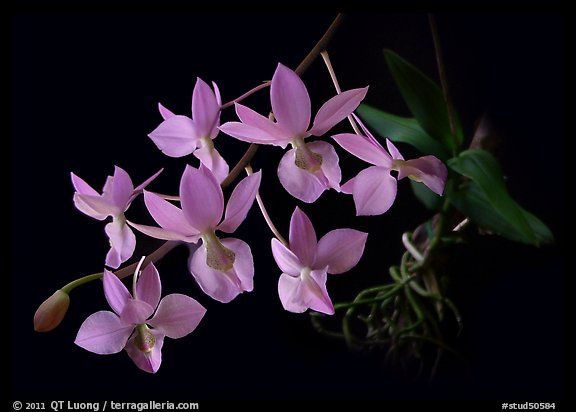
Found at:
[307, 261]
[140, 320]
[178, 136]
[374, 188]
[223, 268]
[308, 169]
[117, 195]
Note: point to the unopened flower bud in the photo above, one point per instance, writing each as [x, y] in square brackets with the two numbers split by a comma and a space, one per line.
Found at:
[51, 312]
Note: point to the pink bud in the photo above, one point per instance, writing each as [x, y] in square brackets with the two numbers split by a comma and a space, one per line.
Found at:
[51, 312]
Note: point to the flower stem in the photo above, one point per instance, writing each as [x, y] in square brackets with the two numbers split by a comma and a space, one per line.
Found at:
[265, 213]
[267, 83]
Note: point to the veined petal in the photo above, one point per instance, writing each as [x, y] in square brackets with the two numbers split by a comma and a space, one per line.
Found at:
[177, 315]
[201, 198]
[252, 118]
[300, 183]
[307, 291]
[135, 312]
[329, 173]
[168, 216]
[164, 112]
[290, 101]
[364, 149]
[340, 250]
[176, 136]
[210, 158]
[103, 333]
[147, 361]
[224, 286]
[374, 191]
[115, 292]
[122, 242]
[148, 286]
[286, 260]
[146, 183]
[337, 109]
[393, 150]
[240, 202]
[205, 109]
[122, 188]
[427, 169]
[82, 187]
[95, 206]
[164, 234]
[252, 134]
[303, 241]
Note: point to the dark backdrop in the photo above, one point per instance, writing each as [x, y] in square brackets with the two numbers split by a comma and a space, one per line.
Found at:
[84, 89]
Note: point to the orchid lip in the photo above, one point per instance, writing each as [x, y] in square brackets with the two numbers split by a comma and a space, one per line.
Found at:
[144, 340]
[218, 256]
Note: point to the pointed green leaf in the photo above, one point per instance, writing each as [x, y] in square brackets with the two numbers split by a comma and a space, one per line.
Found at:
[401, 129]
[471, 200]
[425, 100]
[483, 169]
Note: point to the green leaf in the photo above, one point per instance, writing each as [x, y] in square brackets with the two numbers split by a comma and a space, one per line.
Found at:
[473, 202]
[489, 193]
[427, 197]
[401, 129]
[425, 100]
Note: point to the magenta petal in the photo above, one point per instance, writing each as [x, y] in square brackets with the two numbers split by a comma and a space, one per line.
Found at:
[428, 170]
[148, 286]
[135, 312]
[122, 188]
[82, 187]
[103, 333]
[147, 361]
[115, 292]
[374, 191]
[340, 250]
[201, 198]
[95, 206]
[177, 315]
[330, 173]
[160, 233]
[298, 182]
[176, 136]
[142, 186]
[252, 134]
[393, 150]
[122, 242]
[307, 291]
[240, 202]
[254, 119]
[210, 158]
[167, 215]
[337, 109]
[290, 101]
[205, 109]
[364, 149]
[224, 286]
[303, 239]
[286, 260]
[164, 112]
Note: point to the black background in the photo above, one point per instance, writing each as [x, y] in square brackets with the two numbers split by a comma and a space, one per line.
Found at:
[84, 90]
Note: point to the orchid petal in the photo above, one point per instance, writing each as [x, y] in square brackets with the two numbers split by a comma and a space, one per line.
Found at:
[147, 361]
[122, 243]
[164, 234]
[168, 216]
[303, 241]
[300, 183]
[224, 286]
[252, 134]
[240, 202]
[201, 198]
[330, 169]
[164, 112]
[217, 94]
[122, 188]
[213, 161]
[205, 109]
[364, 149]
[148, 286]
[286, 260]
[290, 101]
[176, 136]
[374, 191]
[103, 333]
[115, 292]
[95, 206]
[146, 183]
[135, 312]
[393, 150]
[177, 315]
[252, 118]
[82, 187]
[427, 169]
[340, 250]
[308, 291]
[337, 109]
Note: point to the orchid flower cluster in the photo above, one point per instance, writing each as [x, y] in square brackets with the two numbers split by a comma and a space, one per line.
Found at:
[223, 265]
